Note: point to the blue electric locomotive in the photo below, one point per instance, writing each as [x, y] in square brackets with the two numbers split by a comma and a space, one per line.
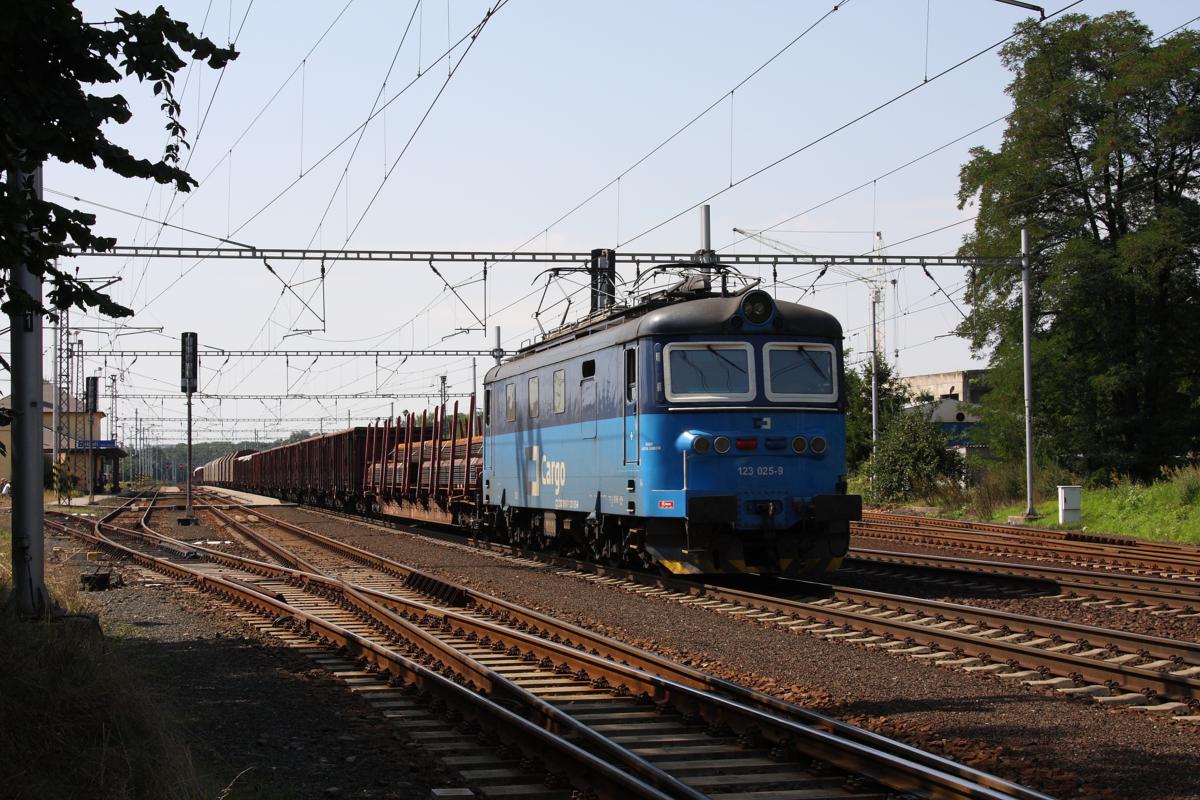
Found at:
[699, 433]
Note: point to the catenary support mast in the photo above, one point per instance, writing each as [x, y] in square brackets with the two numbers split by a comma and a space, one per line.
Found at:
[28, 514]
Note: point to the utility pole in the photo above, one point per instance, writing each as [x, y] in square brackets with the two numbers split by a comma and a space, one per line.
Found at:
[1027, 334]
[874, 372]
[77, 419]
[442, 389]
[91, 405]
[55, 415]
[28, 513]
[191, 347]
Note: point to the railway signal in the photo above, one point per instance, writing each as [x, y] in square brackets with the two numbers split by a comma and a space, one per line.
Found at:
[189, 369]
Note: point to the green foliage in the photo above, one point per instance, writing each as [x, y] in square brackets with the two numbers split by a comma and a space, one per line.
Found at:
[911, 461]
[50, 62]
[893, 396]
[1101, 162]
[995, 483]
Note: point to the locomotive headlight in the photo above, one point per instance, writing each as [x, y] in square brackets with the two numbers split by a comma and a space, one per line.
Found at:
[819, 445]
[721, 444]
[799, 444]
[701, 444]
[758, 307]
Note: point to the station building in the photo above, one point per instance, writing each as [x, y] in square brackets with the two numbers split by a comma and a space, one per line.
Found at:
[81, 446]
[947, 397]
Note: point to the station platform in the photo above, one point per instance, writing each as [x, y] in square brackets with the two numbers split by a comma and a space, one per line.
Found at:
[247, 497]
[82, 500]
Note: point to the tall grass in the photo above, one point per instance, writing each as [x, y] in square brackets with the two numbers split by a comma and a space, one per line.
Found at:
[1167, 509]
[76, 720]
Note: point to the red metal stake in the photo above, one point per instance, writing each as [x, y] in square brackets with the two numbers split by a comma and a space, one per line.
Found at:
[453, 451]
[467, 455]
[421, 455]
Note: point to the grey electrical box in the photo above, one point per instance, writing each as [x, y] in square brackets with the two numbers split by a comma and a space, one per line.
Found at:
[1070, 502]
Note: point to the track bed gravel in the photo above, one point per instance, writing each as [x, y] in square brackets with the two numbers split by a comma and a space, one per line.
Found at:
[1062, 747]
[258, 717]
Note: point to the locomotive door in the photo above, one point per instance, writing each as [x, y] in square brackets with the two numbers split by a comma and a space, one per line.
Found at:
[587, 423]
[630, 417]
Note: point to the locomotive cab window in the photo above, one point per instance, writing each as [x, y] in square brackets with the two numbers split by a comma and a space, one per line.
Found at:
[510, 402]
[560, 391]
[534, 400]
[800, 371]
[487, 407]
[709, 371]
[589, 368]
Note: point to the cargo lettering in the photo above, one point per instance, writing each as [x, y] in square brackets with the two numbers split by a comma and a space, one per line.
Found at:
[554, 473]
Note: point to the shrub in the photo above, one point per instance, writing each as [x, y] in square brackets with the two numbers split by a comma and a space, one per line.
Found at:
[911, 461]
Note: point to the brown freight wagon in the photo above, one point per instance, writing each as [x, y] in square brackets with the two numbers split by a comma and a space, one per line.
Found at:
[425, 467]
[323, 470]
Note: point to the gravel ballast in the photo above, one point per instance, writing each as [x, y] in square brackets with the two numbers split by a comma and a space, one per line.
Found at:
[260, 719]
[1067, 748]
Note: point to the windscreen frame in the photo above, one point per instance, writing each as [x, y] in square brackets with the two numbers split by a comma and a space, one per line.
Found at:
[751, 372]
[788, 397]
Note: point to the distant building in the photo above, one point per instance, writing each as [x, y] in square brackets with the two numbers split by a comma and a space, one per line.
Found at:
[75, 454]
[951, 393]
[965, 385]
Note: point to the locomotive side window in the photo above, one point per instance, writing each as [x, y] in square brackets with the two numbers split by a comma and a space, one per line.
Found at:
[630, 375]
[487, 407]
[709, 371]
[533, 398]
[510, 402]
[560, 391]
[589, 368]
[798, 371]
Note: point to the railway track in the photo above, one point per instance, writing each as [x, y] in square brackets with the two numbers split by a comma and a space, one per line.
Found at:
[1112, 667]
[1072, 549]
[663, 729]
[1146, 593]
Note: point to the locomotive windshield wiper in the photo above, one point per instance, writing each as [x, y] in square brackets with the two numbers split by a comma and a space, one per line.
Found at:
[811, 360]
[710, 349]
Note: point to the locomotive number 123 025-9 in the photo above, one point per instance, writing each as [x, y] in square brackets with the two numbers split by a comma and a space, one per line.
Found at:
[762, 471]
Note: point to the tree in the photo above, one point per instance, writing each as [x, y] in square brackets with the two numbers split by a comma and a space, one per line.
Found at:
[1100, 162]
[911, 459]
[50, 62]
[893, 396]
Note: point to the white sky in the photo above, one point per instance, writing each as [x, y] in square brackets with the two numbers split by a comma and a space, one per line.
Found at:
[554, 100]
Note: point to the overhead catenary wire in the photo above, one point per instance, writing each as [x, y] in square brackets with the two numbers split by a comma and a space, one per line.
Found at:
[844, 126]
[294, 182]
[685, 126]
[470, 38]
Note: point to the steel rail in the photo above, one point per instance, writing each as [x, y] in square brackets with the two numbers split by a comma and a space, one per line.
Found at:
[533, 739]
[1111, 556]
[1152, 590]
[698, 687]
[1153, 681]
[1053, 534]
[1150, 682]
